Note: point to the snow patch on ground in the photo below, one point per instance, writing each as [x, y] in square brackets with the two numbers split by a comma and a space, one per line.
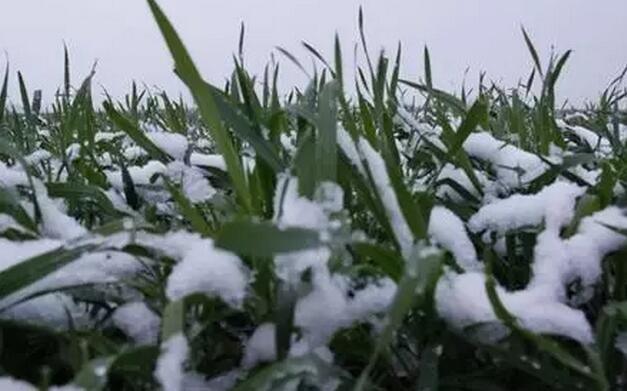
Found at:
[542, 306]
[205, 269]
[137, 321]
[448, 230]
[170, 365]
[173, 144]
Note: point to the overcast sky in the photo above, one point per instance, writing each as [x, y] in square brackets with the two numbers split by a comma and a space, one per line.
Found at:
[479, 34]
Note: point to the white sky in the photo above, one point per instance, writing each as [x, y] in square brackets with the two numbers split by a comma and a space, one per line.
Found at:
[479, 34]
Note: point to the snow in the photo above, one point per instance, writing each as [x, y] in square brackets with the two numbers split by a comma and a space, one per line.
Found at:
[73, 152]
[55, 223]
[622, 133]
[621, 343]
[118, 201]
[58, 230]
[194, 185]
[330, 197]
[52, 309]
[294, 211]
[423, 131]
[194, 381]
[133, 152]
[347, 145]
[223, 382]
[107, 137]
[16, 252]
[105, 160]
[590, 176]
[288, 142]
[332, 299]
[297, 211]
[90, 268]
[519, 211]
[173, 144]
[202, 143]
[192, 180]
[261, 346]
[594, 240]
[207, 160]
[328, 307]
[170, 365]
[300, 348]
[462, 300]
[7, 222]
[68, 387]
[11, 177]
[56, 311]
[384, 188]
[206, 269]
[324, 310]
[11, 384]
[594, 141]
[137, 321]
[140, 174]
[37, 157]
[375, 298]
[506, 159]
[461, 178]
[542, 306]
[448, 230]
[202, 269]
[319, 315]
[290, 266]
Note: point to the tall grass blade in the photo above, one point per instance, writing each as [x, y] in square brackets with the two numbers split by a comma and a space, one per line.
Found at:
[3, 93]
[264, 239]
[34, 269]
[188, 72]
[339, 71]
[428, 77]
[326, 146]
[24, 96]
[477, 115]
[293, 59]
[319, 56]
[532, 50]
[244, 129]
[66, 74]
[188, 211]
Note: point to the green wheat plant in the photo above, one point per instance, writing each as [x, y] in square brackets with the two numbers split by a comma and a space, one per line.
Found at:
[397, 236]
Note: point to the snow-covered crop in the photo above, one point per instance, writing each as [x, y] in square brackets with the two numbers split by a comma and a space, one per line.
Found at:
[392, 237]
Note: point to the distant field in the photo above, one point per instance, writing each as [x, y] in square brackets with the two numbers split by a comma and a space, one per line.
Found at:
[398, 238]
